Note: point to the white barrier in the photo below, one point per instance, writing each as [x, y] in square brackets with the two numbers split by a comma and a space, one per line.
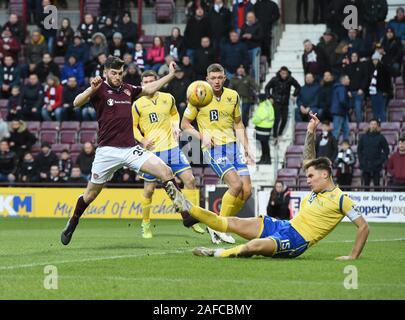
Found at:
[374, 206]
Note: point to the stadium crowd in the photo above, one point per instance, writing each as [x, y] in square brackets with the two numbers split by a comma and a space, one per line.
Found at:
[43, 71]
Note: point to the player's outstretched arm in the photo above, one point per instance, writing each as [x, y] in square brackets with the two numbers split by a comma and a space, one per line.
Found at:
[309, 147]
[150, 88]
[84, 97]
[361, 238]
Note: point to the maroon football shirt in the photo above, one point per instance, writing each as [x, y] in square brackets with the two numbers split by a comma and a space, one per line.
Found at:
[114, 116]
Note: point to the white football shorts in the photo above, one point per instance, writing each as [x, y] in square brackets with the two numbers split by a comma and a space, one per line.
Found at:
[110, 159]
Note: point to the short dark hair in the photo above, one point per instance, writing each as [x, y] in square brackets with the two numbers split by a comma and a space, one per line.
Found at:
[402, 138]
[215, 67]
[321, 163]
[113, 63]
[376, 120]
[149, 73]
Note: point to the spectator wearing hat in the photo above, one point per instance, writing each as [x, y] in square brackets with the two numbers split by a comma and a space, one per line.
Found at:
[155, 55]
[78, 48]
[14, 105]
[247, 89]
[8, 163]
[373, 152]
[9, 76]
[398, 24]
[263, 119]
[87, 28]
[392, 52]
[21, 139]
[9, 45]
[46, 67]
[379, 87]
[64, 36]
[99, 45]
[45, 159]
[73, 68]
[32, 99]
[35, 49]
[16, 27]
[358, 74]
[117, 48]
[396, 166]
[52, 109]
[128, 29]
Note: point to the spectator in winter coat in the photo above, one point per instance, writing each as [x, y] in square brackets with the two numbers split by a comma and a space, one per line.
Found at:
[196, 28]
[35, 49]
[373, 14]
[28, 170]
[9, 45]
[396, 166]
[87, 28]
[78, 48]
[109, 29]
[356, 44]
[76, 176]
[357, 72]
[308, 99]
[73, 68]
[16, 27]
[188, 68]
[278, 89]
[132, 75]
[64, 37]
[8, 163]
[392, 52]
[373, 152]
[279, 202]
[340, 107]
[46, 67]
[155, 55]
[85, 159]
[234, 53]
[247, 89]
[203, 57]
[45, 159]
[65, 165]
[9, 76]
[140, 57]
[325, 95]
[32, 99]
[54, 175]
[345, 163]
[98, 67]
[398, 24]
[14, 105]
[380, 87]
[328, 44]
[219, 17]
[325, 143]
[70, 91]
[52, 109]
[99, 45]
[313, 59]
[128, 29]
[177, 87]
[21, 140]
[174, 45]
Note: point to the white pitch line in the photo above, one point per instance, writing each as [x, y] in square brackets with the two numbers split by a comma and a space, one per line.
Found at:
[182, 250]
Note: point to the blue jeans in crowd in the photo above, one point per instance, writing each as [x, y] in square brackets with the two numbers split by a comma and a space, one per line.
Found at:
[254, 57]
[357, 104]
[341, 123]
[88, 114]
[58, 114]
[378, 106]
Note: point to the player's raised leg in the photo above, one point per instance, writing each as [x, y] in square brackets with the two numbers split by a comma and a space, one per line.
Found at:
[91, 193]
[148, 189]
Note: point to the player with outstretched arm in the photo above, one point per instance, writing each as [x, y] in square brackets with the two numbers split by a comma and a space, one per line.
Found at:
[117, 147]
[320, 212]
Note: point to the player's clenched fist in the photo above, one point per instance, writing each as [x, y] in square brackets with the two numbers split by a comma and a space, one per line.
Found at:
[96, 83]
[172, 67]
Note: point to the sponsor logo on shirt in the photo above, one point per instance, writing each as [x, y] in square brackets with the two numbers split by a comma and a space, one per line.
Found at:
[110, 102]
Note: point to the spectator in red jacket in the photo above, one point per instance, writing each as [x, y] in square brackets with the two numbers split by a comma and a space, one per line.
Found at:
[9, 45]
[156, 55]
[396, 165]
[52, 109]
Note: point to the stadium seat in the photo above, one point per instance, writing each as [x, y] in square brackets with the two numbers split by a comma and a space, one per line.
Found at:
[288, 181]
[392, 137]
[294, 161]
[34, 126]
[390, 126]
[356, 173]
[396, 115]
[59, 147]
[301, 126]
[295, 150]
[396, 104]
[70, 125]
[35, 149]
[68, 136]
[73, 156]
[3, 103]
[77, 147]
[210, 180]
[302, 182]
[50, 125]
[399, 81]
[88, 136]
[356, 183]
[288, 172]
[89, 125]
[164, 11]
[400, 92]
[299, 138]
[48, 136]
[363, 126]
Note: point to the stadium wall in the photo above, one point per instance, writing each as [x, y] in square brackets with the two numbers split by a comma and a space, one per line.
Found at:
[60, 202]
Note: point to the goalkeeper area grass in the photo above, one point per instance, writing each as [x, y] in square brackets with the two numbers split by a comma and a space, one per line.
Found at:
[108, 259]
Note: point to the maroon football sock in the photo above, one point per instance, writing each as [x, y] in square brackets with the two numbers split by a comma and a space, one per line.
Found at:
[80, 208]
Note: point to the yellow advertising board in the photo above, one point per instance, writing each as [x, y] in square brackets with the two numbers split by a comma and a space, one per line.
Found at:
[60, 203]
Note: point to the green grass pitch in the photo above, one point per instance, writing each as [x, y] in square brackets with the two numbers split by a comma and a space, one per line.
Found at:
[108, 259]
